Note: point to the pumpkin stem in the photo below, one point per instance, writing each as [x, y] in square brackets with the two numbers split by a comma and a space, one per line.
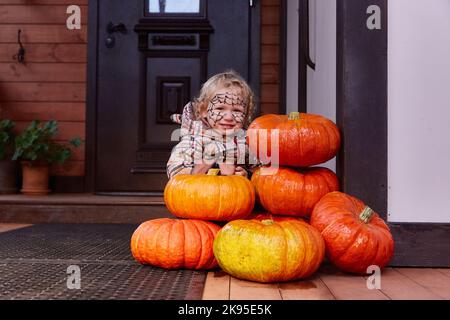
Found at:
[294, 116]
[213, 172]
[366, 215]
[268, 222]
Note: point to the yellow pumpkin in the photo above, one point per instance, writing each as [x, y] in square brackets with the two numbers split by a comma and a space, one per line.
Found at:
[269, 249]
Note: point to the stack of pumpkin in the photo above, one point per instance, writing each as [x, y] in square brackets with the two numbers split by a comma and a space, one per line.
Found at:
[307, 216]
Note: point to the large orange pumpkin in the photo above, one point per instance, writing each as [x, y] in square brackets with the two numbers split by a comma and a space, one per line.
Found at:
[175, 244]
[355, 236]
[210, 197]
[269, 249]
[304, 139]
[293, 192]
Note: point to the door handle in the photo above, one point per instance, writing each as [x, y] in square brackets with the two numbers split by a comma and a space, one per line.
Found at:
[113, 28]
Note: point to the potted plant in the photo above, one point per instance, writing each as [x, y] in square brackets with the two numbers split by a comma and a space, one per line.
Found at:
[37, 150]
[8, 168]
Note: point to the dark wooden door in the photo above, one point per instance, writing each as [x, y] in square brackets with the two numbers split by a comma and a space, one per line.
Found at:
[149, 64]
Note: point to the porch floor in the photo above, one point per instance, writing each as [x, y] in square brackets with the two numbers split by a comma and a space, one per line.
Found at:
[327, 284]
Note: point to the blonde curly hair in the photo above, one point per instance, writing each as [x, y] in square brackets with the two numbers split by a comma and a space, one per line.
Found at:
[227, 79]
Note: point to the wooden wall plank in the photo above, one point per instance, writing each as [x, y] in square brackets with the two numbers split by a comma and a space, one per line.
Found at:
[37, 14]
[28, 111]
[270, 58]
[46, 2]
[270, 35]
[268, 108]
[67, 130]
[271, 3]
[42, 72]
[69, 169]
[53, 52]
[269, 73]
[270, 16]
[31, 91]
[42, 34]
[270, 93]
[270, 54]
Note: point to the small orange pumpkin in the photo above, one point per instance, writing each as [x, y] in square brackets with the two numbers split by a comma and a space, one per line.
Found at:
[175, 244]
[293, 192]
[355, 236]
[269, 249]
[210, 197]
[304, 139]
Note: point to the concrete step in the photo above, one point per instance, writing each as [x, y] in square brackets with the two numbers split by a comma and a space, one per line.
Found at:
[80, 208]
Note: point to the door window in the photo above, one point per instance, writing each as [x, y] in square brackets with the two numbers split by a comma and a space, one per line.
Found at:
[174, 6]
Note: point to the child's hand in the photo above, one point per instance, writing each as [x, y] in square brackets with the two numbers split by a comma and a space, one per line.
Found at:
[227, 169]
[241, 172]
[201, 168]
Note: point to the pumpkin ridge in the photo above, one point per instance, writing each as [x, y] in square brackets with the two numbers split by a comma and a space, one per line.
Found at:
[298, 128]
[135, 244]
[262, 184]
[141, 246]
[236, 197]
[329, 153]
[300, 239]
[157, 248]
[318, 143]
[316, 253]
[302, 178]
[306, 250]
[314, 184]
[184, 242]
[378, 254]
[212, 260]
[171, 255]
[219, 209]
[201, 250]
[286, 249]
[361, 254]
[351, 242]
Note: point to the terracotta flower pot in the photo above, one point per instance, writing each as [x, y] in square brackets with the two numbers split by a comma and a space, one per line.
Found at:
[8, 177]
[35, 178]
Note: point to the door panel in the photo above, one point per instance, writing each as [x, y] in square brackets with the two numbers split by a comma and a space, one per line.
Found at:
[150, 71]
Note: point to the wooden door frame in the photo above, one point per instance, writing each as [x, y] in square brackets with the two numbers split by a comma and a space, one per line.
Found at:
[92, 71]
[362, 116]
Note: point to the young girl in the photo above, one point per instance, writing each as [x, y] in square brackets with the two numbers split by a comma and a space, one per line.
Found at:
[212, 128]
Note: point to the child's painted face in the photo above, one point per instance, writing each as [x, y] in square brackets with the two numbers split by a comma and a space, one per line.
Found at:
[226, 110]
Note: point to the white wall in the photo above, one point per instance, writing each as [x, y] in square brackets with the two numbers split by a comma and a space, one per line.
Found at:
[321, 95]
[419, 111]
[292, 57]
[322, 81]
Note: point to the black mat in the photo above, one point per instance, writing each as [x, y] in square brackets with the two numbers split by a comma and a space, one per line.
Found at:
[34, 264]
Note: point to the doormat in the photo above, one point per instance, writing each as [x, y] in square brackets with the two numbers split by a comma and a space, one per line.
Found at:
[85, 262]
